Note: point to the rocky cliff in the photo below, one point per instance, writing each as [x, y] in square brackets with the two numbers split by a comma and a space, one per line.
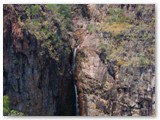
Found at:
[114, 63]
[35, 82]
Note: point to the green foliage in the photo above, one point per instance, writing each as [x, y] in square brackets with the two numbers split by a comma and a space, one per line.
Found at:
[117, 15]
[63, 12]
[41, 22]
[50, 24]
[143, 61]
[91, 28]
[6, 105]
[6, 109]
[52, 7]
[103, 48]
[32, 10]
[146, 35]
[15, 113]
[111, 11]
[119, 38]
[82, 54]
[79, 58]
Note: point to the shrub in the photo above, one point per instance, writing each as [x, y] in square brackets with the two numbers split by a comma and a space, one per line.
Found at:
[15, 113]
[91, 28]
[117, 15]
[32, 10]
[63, 12]
[6, 109]
[6, 105]
[50, 24]
[104, 48]
[143, 61]
[82, 54]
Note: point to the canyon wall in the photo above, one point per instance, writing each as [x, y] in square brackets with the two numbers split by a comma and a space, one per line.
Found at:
[36, 83]
[114, 65]
[115, 68]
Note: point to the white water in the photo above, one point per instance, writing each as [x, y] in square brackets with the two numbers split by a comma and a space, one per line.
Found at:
[75, 86]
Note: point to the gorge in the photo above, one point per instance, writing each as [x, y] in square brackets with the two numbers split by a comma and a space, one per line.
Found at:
[79, 60]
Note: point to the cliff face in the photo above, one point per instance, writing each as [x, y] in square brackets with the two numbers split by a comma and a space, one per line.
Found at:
[36, 83]
[114, 66]
[115, 69]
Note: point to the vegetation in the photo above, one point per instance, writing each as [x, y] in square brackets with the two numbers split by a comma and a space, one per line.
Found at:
[79, 58]
[15, 113]
[6, 109]
[123, 36]
[117, 15]
[63, 12]
[143, 61]
[104, 48]
[82, 54]
[129, 43]
[91, 28]
[49, 23]
[115, 28]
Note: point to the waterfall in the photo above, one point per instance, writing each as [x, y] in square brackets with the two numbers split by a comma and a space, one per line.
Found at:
[74, 81]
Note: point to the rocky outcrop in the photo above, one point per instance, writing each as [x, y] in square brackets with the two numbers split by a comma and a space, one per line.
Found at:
[36, 83]
[114, 66]
[108, 84]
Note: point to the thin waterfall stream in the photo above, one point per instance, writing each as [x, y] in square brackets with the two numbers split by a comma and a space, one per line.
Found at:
[74, 81]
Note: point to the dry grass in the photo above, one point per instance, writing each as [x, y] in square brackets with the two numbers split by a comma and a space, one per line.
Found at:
[115, 28]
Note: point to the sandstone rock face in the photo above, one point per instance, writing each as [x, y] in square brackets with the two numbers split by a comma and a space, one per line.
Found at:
[35, 83]
[131, 92]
